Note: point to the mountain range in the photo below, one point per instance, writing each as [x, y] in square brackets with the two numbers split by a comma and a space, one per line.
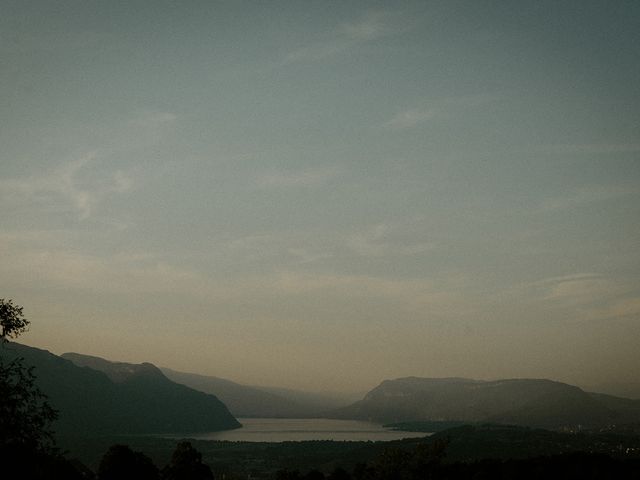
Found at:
[249, 401]
[131, 399]
[100, 396]
[526, 402]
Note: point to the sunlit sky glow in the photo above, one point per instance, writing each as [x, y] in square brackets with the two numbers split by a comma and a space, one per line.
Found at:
[326, 194]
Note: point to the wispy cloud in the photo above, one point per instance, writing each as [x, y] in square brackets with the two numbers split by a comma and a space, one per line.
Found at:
[370, 26]
[440, 107]
[587, 195]
[306, 247]
[409, 118]
[593, 148]
[288, 247]
[304, 255]
[64, 188]
[120, 273]
[153, 119]
[128, 274]
[316, 51]
[56, 41]
[587, 296]
[580, 288]
[382, 240]
[471, 100]
[303, 178]
[625, 307]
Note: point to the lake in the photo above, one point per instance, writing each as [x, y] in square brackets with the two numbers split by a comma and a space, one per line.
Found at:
[293, 429]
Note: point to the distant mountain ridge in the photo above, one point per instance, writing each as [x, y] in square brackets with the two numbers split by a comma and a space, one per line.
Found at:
[618, 389]
[249, 401]
[118, 372]
[144, 401]
[528, 402]
[241, 400]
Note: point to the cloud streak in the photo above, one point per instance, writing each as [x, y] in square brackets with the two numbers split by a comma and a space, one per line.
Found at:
[64, 188]
[304, 178]
[153, 119]
[382, 240]
[372, 25]
[409, 118]
[587, 195]
[127, 274]
[585, 296]
[593, 148]
[369, 27]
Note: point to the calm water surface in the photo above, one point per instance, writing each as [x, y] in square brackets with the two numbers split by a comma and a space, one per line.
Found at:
[292, 429]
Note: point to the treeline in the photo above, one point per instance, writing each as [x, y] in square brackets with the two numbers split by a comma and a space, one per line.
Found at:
[426, 461]
[119, 463]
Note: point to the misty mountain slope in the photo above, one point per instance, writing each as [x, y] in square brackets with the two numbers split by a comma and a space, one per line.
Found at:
[247, 401]
[322, 401]
[150, 393]
[89, 402]
[617, 389]
[626, 407]
[118, 372]
[529, 402]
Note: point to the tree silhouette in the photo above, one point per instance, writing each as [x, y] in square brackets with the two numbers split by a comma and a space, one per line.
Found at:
[25, 414]
[186, 464]
[27, 447]
[122, 463]
[12, 321]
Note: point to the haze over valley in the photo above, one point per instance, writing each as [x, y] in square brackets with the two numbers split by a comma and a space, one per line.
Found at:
[102, 396]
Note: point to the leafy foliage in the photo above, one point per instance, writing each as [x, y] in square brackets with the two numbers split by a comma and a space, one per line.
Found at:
[25, 414]
[12, 321]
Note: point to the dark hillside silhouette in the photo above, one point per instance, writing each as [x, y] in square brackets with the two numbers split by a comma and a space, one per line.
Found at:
[527, 402]
[241, 400]
[27, 446]
[91, 403]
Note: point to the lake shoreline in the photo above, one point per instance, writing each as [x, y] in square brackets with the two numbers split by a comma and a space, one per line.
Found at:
[278, 430]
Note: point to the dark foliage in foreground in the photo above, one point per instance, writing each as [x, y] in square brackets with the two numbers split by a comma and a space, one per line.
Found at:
[186, 464]
[122, 463]
[27, 447]
[25, 414]
[25, 463]
[426, 463]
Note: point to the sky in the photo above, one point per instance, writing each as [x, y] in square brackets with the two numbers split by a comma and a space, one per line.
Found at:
[323, 195]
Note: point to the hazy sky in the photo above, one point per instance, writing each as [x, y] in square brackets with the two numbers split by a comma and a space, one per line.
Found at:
[323, 194]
